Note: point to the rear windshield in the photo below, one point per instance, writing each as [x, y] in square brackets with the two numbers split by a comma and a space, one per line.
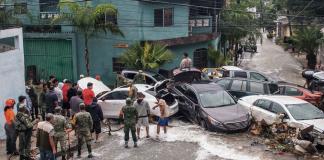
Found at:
[240, 74]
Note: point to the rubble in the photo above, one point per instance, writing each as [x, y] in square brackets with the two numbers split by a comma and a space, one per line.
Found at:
[282, 137]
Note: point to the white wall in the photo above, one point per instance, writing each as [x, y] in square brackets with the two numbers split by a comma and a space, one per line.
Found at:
[12, 72]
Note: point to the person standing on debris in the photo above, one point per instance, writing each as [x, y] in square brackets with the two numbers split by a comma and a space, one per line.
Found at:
[58, 92]
[66, 105]
[143, 110]
[88, 94]
[75, 103]
[83, 126]
[132, 91]
[45, 138]
[186, 62]
[163, 119]
[120, 80]
[130, 116]
[51, 99]
[139, 78]
[24, 127]
[10, 127]
[97, 116]
[60, 126]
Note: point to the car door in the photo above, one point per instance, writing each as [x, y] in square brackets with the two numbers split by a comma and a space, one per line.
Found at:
[238, 88]
[256, 88]
[277, 109]
[261, 111]
[192, 102]
[112, 103]
[257, 76]
[182, 101]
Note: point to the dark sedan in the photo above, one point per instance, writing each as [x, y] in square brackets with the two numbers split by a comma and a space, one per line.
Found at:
[212, 107]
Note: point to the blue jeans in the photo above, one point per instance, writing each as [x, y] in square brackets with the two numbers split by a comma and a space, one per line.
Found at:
[46, 155]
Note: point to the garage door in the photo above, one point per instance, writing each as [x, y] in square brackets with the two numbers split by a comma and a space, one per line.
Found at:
[45, 57]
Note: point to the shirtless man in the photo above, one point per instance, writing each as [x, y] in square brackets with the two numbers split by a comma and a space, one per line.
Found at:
[163, 119]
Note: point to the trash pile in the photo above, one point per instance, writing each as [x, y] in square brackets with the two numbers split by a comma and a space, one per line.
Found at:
[282, 137]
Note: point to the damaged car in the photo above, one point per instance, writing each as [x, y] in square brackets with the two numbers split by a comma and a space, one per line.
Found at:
[112, 102]
[295, 112]
[206, 103]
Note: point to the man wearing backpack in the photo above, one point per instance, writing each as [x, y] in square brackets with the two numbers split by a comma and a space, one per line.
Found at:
[24, 127]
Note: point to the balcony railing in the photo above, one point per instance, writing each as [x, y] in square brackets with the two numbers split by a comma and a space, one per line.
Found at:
[48, 15]
[200, 24]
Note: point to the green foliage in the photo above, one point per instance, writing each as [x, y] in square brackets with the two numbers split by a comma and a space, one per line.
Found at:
[7, 16]
[308, 39]
[218, 57]
[146, 57]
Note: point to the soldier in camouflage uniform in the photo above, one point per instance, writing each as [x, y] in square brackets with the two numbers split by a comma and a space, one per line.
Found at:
[120, 80]
[130, 116]
[83, 126]
[60, 125]
[139, 78]
[24, 127]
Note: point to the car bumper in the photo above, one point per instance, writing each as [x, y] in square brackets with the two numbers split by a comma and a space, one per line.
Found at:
[230, 127]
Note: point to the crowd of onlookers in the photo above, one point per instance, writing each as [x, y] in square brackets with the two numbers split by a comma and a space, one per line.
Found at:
[56, 108]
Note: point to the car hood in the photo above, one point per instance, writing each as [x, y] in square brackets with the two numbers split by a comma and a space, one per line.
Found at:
[186, 75]
[228, 113]
[98, 86]
[318, 123]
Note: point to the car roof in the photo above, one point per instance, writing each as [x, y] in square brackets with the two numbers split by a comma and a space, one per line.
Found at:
[246, 79]
[234, 68]
[202, 87]
[282, 99]
[140, 87]
[136, 71]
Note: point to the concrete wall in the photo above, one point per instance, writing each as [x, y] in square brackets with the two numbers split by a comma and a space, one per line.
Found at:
[12, 81]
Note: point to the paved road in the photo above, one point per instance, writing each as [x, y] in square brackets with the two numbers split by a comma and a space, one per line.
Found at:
[272, 60]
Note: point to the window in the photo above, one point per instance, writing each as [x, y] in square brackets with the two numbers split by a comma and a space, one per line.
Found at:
[118, 95]
[163, 17]
[200, 58]
[238, 85]
[257, 76]
[256, 87]
[191, 95]
[224, 83]
[149, 80]
[276, 108]
[240, 74]
[7, 44]
[129, 75]
[108, 19]
[290, 91]
[20, 8]
[264, 104]
[48, 5]
[117, 65]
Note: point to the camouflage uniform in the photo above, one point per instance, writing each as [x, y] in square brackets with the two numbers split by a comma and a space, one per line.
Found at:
[139, 79]
[130, 120]
[132, 93]
[120, 80]
[24, 127]
[83, 126]
[60, 124]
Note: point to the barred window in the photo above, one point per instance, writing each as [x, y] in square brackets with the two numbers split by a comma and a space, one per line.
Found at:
[163, 17]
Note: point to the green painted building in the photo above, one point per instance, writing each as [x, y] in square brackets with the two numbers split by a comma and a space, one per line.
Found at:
[183, 25]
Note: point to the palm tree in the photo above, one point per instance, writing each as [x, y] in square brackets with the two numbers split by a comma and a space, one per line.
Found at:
[217, 57]
[308, 40]
[146, 57]
[88, 20]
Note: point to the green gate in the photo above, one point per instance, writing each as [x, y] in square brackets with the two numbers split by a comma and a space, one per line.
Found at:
[45, 57]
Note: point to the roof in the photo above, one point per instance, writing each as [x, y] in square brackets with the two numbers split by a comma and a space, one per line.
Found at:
[284, 99]
[200, 87]
[319, 75]
[233, 68]
[140, 87]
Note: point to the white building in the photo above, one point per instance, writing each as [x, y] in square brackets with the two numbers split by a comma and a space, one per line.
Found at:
[12, 76]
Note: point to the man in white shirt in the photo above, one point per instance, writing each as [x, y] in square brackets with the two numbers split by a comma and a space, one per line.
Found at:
[186, 61]
[58, 92]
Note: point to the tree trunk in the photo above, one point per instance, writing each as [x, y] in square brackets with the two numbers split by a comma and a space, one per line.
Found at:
[86, 54]
[311, 61]
[235, 54]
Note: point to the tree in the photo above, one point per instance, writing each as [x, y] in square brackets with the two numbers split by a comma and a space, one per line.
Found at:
[217, 57]
[88, 20]
[308, 40]
[147, 56]
[238, 23]
[7, 16]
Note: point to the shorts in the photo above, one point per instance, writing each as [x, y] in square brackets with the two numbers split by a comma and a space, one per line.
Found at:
[96, 127]
[144, 121]
[163, 121]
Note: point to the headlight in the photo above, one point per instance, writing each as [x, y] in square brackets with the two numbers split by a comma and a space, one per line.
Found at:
[213, 121]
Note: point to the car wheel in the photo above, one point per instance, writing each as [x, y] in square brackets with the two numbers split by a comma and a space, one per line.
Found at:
[203, 124]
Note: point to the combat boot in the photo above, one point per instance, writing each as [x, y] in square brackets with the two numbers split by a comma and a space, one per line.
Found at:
[135, 144]
[126, 144]
[89, 151]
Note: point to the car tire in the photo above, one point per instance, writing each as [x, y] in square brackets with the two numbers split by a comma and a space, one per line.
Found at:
[203, 124]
